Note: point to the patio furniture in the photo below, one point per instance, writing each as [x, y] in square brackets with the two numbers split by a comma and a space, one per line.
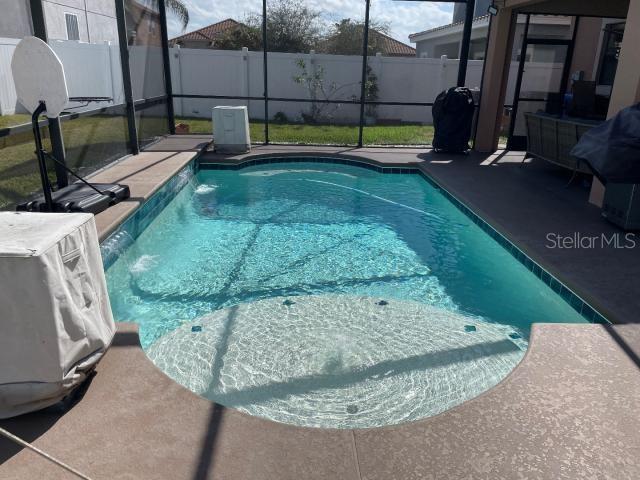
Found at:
[551, 138]
[612, 151]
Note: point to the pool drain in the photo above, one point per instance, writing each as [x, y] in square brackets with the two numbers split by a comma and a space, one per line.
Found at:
[196, 328]
[352, 409]
[470, 328]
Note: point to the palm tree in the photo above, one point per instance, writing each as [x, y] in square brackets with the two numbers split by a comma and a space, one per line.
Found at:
[179, 9]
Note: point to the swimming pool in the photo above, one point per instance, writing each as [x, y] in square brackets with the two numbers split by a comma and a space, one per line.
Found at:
[328, 295]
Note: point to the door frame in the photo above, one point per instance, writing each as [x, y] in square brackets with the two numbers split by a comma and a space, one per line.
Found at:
[519, 142]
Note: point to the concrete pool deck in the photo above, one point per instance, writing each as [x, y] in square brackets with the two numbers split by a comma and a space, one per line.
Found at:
[567, 410]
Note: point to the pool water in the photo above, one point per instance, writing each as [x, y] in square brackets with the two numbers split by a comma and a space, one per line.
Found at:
[327, 295]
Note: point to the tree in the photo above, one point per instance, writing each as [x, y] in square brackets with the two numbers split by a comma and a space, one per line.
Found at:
[178, 8]
[236, 38]
[346, 37]
[291, 27]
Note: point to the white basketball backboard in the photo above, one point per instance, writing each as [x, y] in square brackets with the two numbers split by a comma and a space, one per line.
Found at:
[38, 75]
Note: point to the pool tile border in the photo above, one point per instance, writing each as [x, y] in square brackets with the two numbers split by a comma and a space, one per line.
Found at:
[129, 230]
[569, 296]
[309, 159]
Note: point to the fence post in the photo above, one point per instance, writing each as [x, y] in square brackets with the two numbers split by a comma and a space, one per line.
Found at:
[442, 75]
[244, 75]
[177, 55]
[114, 94]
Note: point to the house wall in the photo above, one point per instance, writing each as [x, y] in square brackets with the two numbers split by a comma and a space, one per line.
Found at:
[588, 42]
[449, 44]
[15, 20]
[627, 84]
[460, 9]
[96, 24]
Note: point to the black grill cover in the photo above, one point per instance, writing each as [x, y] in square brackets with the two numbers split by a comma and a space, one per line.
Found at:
[612, 149]
[452, 119]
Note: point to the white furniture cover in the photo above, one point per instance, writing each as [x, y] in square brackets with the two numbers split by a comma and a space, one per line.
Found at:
[231, 129]
[55, 316]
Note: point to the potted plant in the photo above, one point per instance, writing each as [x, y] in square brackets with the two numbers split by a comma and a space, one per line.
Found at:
[182, 128]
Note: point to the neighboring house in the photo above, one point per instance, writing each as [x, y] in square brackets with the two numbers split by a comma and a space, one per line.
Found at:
[383, 44]
[88, 21]
[596, 52]
[15, 21]
[460, 10]
[205, 37]
[446, 39]
[390, 47]
[143, 25]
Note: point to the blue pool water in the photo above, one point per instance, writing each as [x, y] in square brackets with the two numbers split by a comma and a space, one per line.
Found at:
[327, 295]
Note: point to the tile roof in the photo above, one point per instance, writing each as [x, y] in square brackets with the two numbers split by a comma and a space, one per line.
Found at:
[392, 47]
[210, 32]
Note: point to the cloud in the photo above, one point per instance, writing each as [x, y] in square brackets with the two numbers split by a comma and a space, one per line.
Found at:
[403, 17]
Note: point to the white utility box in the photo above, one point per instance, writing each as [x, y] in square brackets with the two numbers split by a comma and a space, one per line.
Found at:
[231, 130]
[55, 316]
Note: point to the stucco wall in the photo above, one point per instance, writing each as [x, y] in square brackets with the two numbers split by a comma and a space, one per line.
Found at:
[96, 24]
[15, 20]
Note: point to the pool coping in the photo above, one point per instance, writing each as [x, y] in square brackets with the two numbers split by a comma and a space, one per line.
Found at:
[535, 420]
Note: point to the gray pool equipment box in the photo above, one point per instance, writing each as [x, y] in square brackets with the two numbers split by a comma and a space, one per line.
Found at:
[231, 130]
[55, 316]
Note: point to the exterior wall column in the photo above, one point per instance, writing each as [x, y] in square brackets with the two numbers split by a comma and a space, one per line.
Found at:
[494, 80]
[626, 87]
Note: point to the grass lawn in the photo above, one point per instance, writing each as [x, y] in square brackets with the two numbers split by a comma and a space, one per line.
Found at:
[12, 120]
[92, 142]
[328, 134]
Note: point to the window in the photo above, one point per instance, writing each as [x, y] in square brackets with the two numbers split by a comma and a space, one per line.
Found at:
[612, 42]
[73, 33]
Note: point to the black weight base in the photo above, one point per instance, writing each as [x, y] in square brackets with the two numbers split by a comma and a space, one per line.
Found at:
[79, 197]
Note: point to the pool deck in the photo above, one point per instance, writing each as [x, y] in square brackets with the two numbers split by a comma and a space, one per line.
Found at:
[566, 412]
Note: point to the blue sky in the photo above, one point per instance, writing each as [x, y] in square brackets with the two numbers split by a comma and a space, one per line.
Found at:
[403, 17]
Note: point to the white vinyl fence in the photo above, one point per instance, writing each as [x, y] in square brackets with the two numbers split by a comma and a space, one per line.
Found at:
[94, 70]
[8, 98]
